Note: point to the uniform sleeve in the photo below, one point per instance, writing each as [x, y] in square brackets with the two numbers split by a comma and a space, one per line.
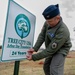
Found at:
[41, 38]
[55, 44]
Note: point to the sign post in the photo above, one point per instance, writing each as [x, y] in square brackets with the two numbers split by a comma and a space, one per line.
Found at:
[16, 68]
[18, 35]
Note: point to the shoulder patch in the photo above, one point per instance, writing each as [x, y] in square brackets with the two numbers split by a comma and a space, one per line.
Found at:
[54, 45]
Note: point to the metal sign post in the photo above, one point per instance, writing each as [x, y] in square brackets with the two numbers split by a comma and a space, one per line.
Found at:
[16, 67]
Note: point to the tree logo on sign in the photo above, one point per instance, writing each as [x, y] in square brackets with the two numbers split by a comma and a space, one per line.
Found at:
[22, 25]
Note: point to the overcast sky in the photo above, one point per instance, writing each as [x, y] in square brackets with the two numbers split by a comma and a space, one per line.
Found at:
[36, 7]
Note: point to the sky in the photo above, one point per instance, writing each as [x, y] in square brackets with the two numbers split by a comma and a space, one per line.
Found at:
[36, 7]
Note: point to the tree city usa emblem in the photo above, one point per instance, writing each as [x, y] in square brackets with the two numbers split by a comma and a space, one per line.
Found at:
[22, 28]
[22, 25]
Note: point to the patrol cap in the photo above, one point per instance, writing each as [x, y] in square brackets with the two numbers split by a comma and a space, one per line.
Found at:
[51, 11]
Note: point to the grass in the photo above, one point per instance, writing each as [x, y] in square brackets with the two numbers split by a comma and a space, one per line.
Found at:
[35, 68]
[69, 66]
